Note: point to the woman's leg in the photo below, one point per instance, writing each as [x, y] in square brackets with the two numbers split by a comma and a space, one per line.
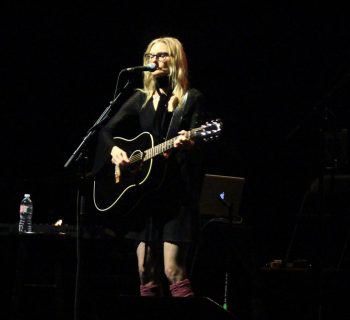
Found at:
[148, 267]
[175, 269]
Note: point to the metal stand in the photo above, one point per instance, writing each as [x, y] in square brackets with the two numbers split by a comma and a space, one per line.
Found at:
[80, 156]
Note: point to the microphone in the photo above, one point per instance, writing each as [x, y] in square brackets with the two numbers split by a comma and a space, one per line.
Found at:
[147, 67]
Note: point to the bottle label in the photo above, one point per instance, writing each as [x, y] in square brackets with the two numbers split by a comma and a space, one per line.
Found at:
[25, 209]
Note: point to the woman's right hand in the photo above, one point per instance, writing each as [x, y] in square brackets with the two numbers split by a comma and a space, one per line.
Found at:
[119, 157]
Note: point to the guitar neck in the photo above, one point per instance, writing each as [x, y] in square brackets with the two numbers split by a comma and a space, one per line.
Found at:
[160, 148]
[204, 132]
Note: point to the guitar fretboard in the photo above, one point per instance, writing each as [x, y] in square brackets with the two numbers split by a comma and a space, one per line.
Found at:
[169, 144]
[165, 146]
[158, 149]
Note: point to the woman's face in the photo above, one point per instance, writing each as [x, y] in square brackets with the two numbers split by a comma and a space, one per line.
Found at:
[159, 54]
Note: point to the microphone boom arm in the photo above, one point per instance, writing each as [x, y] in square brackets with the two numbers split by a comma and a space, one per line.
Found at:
[102, 119]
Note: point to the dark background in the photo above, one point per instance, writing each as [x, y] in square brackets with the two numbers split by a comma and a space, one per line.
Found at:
[275, 73]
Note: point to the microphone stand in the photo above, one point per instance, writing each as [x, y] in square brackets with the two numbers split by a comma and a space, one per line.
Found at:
[77, 155]
[229, 207]
[228, 254]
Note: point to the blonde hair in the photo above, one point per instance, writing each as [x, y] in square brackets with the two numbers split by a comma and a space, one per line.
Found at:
[178, 68]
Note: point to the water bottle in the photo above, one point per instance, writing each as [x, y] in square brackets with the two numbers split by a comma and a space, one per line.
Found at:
[25, 214]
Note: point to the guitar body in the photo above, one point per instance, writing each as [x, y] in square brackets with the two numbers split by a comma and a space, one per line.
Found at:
[134, 183]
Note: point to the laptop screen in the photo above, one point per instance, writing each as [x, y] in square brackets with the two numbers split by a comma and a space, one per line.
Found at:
[221, 196]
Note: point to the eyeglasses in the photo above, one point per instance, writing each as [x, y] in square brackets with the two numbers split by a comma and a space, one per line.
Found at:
[161, 56]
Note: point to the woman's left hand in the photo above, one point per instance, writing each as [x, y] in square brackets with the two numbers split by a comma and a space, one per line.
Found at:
[182, 141]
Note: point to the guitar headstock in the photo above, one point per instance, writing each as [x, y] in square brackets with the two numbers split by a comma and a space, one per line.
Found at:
[209, 131]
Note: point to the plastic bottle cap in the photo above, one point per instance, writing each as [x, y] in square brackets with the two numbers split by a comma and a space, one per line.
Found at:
[27, 195]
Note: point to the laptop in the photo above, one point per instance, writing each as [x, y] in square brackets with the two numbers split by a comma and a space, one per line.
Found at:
[221, 197]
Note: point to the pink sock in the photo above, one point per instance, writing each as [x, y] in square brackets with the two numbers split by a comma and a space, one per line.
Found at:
[150, 290]
[181, 289]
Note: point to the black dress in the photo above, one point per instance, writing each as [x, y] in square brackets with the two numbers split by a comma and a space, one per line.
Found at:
[170, 212]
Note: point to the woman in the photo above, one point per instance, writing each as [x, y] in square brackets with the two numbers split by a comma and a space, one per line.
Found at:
[163, 237]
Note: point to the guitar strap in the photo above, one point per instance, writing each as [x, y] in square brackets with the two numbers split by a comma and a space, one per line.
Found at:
[176, 119]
